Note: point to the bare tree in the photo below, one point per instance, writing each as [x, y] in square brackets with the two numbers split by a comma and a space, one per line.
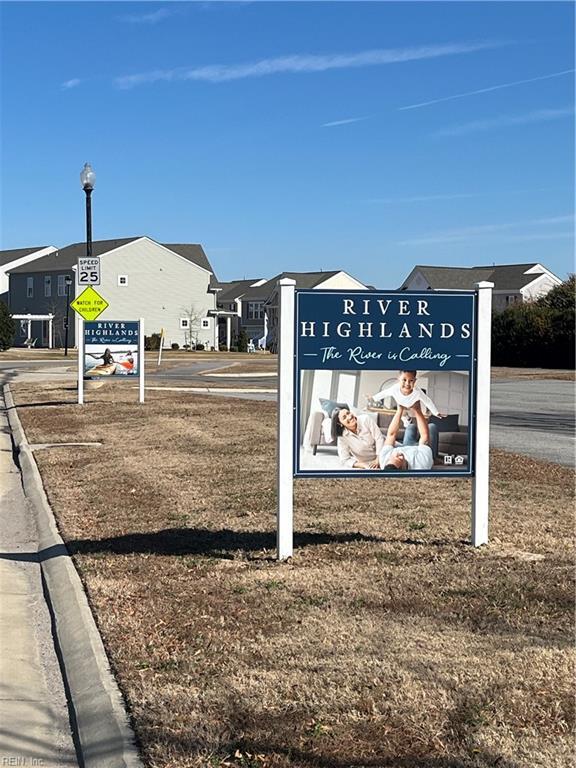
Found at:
[192, 316]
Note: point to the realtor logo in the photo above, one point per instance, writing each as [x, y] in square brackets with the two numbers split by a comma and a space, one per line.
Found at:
[448, 459]
[459, 460]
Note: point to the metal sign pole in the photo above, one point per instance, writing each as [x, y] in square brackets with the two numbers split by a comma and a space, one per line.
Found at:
[80, 346]
[481, 481]
[141, 360]
[285, 440]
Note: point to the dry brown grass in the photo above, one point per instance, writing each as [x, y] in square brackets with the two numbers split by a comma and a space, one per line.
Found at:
[532, 373]
[386, 641]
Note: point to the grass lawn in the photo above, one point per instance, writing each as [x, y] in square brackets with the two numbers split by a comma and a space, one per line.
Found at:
[386, 641]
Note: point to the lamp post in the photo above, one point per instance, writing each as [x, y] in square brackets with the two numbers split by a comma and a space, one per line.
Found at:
[88, 180]
[68, 281]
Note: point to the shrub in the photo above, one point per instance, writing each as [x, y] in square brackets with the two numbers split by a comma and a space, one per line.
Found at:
[152, 342]
[242, 341]
[7, 328]
[538, 334]
[199, 347]
[174, 345]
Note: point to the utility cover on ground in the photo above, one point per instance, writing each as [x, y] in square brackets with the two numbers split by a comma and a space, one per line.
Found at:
[89, 304]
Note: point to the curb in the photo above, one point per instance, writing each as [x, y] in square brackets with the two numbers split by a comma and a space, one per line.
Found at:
[105, 736]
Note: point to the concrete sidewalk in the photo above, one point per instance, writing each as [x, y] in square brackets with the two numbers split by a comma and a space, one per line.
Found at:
[59, 702]
[34, 720]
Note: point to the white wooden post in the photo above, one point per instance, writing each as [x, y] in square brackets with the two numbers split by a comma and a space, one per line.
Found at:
[285, 528]
[50, 332]
[80, 347]
[228, 333]
[141, 360]
[481, 480]
[160, 346]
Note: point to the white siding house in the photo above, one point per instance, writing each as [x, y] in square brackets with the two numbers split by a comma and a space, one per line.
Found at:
[16, 258]
[146, 279]
[169, 286]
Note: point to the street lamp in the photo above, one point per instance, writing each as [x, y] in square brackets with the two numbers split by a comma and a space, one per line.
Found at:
[88, 180]
[68, 281]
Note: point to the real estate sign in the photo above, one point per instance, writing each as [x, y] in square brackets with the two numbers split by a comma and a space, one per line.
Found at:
[398, 367]
[376, 354]
[111, 348]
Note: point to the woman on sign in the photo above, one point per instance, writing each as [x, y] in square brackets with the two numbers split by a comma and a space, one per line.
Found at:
[106, 368]
[359, 439]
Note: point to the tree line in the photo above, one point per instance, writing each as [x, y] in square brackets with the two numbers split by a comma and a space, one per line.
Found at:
[537, 334]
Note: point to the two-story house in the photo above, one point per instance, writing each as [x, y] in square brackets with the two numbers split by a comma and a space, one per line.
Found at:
[512, 282]
[169, 286]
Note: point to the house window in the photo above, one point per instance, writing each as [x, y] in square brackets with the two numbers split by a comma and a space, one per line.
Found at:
[61, 285]
[184, 323]
[47, 286]
[512, 299]
[29, 287]
[255, 310]
[205, 322]
[122, 280]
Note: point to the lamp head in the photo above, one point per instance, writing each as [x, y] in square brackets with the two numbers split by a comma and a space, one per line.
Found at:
[87, 177]
[68, 280]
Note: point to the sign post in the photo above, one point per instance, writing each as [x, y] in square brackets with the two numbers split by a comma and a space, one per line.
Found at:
[81, 347]
[285, 533]
[141, 365]
[481, 482]
[88, 306]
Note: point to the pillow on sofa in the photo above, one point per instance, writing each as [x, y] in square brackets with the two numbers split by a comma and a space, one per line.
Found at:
[328, 405]
[448, 424]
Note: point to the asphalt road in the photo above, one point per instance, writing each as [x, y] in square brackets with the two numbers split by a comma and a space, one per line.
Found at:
[533, 417]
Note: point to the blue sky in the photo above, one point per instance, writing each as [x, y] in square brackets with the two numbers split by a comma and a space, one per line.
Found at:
[368, 137]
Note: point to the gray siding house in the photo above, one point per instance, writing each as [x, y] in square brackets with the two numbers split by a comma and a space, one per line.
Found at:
[169, 286]
[230, 302]
[512, 282]
[16, 258]
[254, 302]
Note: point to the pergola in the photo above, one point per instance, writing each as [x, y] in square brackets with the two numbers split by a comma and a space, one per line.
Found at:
[29, 318]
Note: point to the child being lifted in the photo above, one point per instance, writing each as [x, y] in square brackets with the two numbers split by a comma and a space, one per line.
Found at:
[406, 393]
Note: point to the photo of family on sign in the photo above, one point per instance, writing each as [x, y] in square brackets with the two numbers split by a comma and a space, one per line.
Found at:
[386, 421]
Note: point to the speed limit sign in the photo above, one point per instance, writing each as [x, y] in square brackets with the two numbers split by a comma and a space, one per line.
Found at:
[89, 270]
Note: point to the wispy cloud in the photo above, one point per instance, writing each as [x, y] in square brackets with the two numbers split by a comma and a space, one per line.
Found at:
[485, 90]
[422, 198]
[348, 121]
[505, 121]
[456, 195]
[153, 17]
[538, 236]
[302, 63]
[71, 83]
[468, 233]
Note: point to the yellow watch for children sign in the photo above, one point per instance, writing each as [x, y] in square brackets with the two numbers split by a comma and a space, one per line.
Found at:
[89, 304]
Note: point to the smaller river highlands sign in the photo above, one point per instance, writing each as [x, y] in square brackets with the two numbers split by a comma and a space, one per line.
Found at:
[111, 348]
[384, 382]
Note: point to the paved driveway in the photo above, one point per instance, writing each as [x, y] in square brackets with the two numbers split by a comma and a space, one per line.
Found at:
[534, 417]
